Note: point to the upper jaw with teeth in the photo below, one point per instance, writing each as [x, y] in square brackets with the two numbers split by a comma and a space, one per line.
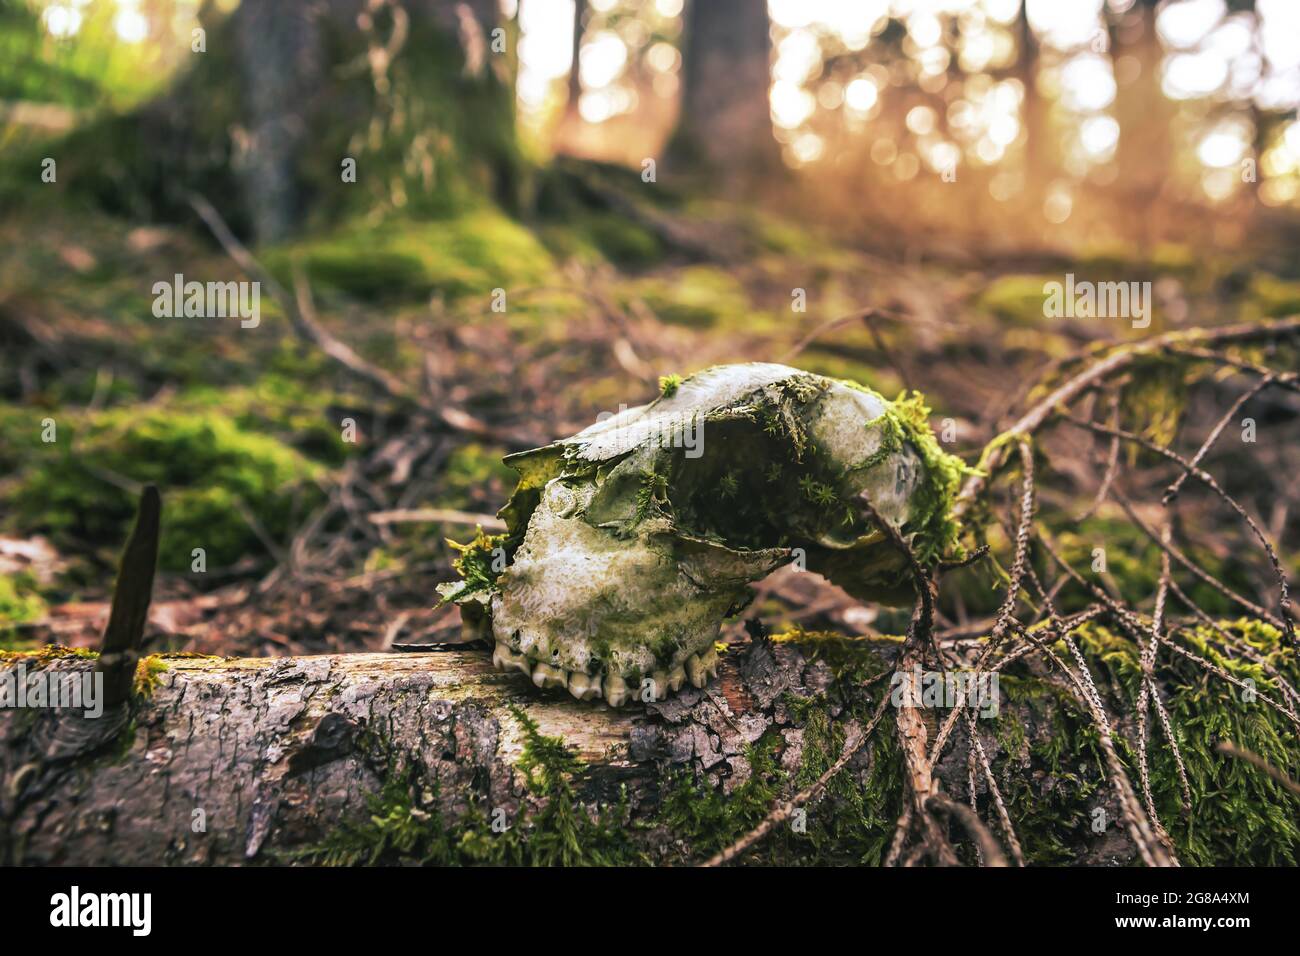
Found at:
[696, 669]
[629, 543]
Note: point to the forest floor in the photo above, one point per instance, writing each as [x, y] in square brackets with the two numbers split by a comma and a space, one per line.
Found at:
[246, 430]
[278, 462]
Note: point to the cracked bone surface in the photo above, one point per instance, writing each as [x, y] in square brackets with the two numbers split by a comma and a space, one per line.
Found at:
[629, 543]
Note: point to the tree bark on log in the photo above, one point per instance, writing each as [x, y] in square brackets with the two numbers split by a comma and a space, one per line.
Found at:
[272, 755]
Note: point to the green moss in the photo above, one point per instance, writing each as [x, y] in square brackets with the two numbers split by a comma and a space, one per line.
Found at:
[1133, 562]
[20, 602]
[653, 492]
[707, 820]
[402, 260]
[148, 674]
[395, 831]
[1056, 780]
[1272, 297]
[852, 823]
[851, 659]
[1152, 402]
[668, 385]
[697, 296]
[597, 235]
[81, 488]
[42, 655]
[1239, 816]
[405, 826]
[907, 420]
[1015, 300]
[475, 565]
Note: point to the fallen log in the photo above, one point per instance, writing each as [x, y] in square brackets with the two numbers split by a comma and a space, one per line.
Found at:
[263, 760]
[264, 752]
[438, 758]
[271, 754]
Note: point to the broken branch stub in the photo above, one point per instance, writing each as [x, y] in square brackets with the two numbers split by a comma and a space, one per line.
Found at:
[132, 594]
[627, 544]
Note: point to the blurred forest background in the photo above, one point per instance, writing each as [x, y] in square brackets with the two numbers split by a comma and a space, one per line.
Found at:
[480, 226]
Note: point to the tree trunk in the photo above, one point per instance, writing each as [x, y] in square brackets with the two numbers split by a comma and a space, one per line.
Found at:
[726, 62]
[1144, 154]
[575, 68]
[1042, 157]
[231, 761]
[279, 57]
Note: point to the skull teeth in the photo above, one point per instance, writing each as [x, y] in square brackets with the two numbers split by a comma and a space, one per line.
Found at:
[676, 678]
[658, 685]
[697, 669]
[615, 690]
[503, 658]
[546, 677]
[584, 686]
[700, 667]
[709, 659]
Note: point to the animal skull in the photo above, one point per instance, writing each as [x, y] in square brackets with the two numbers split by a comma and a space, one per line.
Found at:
[629, 543]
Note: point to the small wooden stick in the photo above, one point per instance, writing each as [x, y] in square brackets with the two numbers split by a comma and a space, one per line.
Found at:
[120, 651]
[1255, 760]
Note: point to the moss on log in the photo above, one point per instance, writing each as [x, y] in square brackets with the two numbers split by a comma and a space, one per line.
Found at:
[437, 758]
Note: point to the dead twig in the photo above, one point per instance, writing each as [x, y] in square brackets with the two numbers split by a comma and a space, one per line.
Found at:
[1284, 599]
[990, 851]
[995, 453]
[301, 311]
[436, 516]
[1255, 760]
[1172, 491]
[783, 811]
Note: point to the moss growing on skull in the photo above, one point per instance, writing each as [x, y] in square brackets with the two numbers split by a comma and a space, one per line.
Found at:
[478, 565]
[907, 420]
